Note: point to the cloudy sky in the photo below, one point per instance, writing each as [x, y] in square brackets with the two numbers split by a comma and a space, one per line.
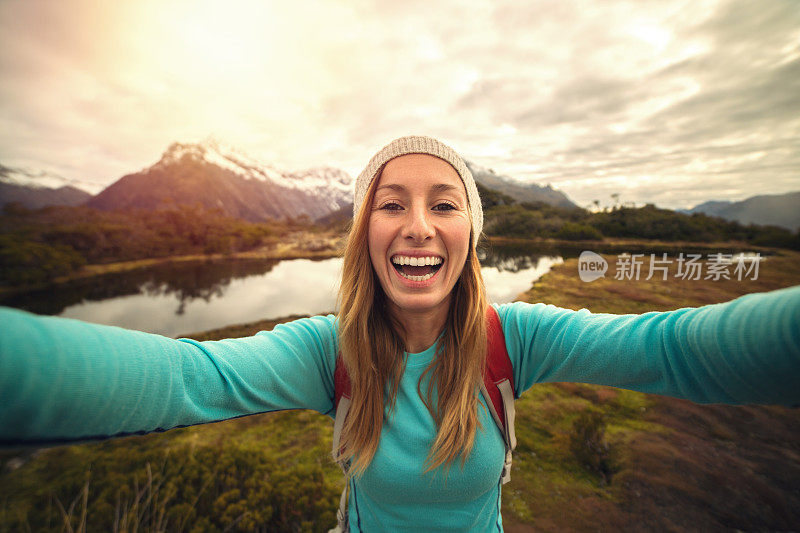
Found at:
[667, 102]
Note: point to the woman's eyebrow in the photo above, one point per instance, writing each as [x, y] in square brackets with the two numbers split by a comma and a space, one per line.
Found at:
[437, 188]
[444, 187]
[393, 186]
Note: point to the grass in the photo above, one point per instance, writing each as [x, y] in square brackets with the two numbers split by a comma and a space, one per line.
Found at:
[674, 465]
[268, 472]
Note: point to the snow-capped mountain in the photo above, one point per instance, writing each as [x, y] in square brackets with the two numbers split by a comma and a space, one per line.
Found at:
[43, 179]
[215, 175]
[34, 189]
[522, 192]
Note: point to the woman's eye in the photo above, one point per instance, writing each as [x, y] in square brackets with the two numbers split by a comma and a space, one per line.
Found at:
[444, 206]
[391, 206]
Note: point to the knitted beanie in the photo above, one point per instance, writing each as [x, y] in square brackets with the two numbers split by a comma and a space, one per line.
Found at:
[415, 144]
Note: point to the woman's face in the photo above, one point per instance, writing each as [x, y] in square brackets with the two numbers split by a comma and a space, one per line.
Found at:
[419, 231]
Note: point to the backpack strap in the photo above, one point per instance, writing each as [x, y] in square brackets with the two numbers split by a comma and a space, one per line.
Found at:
[498, 386]
[341, 381]
[341, 386]
[341, 401]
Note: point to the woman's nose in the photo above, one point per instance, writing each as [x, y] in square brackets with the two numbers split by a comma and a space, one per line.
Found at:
[418, 225]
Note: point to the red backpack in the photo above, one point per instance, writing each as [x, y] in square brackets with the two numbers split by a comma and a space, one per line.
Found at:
[497, 388]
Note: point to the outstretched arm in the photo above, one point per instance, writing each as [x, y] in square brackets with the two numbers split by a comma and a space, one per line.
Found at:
[743, 351]
[64, 380]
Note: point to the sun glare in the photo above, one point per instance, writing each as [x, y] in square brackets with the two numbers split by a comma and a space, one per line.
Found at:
[201, 41]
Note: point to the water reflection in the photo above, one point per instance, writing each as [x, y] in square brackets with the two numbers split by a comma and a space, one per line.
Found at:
[507, 278]
[186, 281]
[300, 286]
[173, 299]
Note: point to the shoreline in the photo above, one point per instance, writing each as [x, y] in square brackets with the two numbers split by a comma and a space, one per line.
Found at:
[562, 287]
[613, 243]
[303, 245]
[307, 245]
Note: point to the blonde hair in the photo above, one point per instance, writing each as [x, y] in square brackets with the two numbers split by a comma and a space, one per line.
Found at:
[372, 351]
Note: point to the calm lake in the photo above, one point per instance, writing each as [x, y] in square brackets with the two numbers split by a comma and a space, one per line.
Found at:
[176, 299]
[182, 298]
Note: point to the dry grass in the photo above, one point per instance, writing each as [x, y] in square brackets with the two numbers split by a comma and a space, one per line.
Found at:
[679, 466]
[562, 287]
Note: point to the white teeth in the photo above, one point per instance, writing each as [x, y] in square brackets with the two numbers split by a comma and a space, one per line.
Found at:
[418, 278]
[416, 261]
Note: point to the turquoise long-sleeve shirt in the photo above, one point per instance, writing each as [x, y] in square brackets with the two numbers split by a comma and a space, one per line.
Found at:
[64, 380]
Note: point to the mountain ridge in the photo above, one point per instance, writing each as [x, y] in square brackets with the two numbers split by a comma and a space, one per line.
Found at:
[215, 175]
[35, 189]
[763, 209]
[521, 192]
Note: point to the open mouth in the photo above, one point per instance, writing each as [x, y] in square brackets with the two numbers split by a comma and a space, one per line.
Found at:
[417, 268]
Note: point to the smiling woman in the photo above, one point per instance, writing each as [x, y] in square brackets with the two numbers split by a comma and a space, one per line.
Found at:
[403, 368]
[415, 213]
[418, 237]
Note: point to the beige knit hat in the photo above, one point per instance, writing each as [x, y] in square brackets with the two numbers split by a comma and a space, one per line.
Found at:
[417, 144]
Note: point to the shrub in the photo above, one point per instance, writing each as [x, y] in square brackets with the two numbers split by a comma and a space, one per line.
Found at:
[588, 445]
[38, 245]
[572, 231]
[514, 221]
[138, 485]
[28, 262]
